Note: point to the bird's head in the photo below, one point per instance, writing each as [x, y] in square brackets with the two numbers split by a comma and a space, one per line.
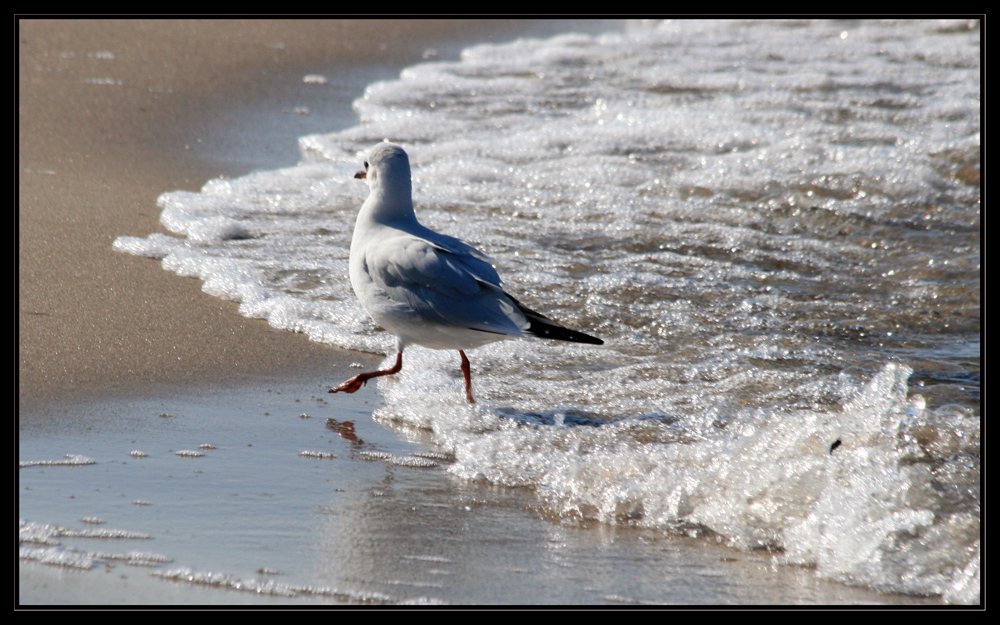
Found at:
[387, 171]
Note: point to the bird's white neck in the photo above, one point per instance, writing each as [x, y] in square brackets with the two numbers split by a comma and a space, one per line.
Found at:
[390, 200]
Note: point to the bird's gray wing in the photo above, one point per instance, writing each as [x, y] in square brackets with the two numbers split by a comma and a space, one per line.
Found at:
[444, 282]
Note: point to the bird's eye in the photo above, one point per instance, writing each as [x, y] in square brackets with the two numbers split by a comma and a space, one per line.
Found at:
[366, 165]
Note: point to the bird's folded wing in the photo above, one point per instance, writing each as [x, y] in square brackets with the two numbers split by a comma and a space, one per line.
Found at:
[443, 283]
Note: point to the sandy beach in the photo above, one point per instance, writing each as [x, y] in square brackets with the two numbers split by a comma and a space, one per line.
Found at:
[116, 354]
[114, 113]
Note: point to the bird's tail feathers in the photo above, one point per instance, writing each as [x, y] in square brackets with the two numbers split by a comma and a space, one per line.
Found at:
[543, 327]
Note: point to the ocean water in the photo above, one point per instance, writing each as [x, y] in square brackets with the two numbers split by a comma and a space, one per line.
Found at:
[775, 227]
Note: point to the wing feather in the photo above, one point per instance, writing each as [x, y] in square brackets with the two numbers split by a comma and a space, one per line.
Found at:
[444, 284]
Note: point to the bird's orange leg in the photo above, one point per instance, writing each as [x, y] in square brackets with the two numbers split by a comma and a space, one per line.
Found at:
[362, 378]
[468, 377]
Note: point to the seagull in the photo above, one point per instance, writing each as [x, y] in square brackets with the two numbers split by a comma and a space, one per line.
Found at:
[426, 288]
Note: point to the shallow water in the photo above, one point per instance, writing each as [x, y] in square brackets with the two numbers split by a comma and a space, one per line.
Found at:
[298, 500]
[774, 225]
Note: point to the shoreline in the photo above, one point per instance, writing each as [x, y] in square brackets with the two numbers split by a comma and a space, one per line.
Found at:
[112, 113]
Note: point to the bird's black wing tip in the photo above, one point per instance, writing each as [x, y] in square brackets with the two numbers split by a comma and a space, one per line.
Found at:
[591, 340]
[560, 333]
[543, 327]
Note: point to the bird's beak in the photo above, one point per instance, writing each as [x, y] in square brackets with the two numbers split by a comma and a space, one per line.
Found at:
[361, 174]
